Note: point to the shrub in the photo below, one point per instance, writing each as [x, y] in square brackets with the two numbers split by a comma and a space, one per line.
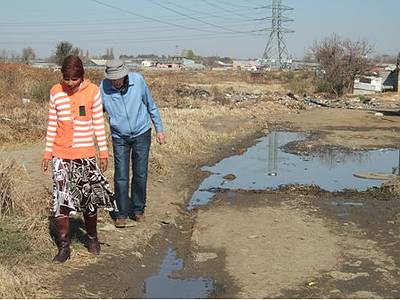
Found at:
[323, 86]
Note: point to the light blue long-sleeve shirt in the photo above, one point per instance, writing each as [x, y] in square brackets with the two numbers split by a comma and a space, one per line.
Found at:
[131, 111]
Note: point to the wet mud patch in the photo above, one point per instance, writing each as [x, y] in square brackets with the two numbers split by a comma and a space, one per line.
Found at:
[369, 238]
[257, 229]
[268, 245]
[163, 268]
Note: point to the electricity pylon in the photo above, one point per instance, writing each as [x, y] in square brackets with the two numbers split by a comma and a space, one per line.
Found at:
[276, 54]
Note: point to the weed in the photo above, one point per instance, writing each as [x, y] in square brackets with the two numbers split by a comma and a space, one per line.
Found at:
[299, 85]
[219, 96]
[323, 86]
[11, 242]
[8, 197]
[40, 90]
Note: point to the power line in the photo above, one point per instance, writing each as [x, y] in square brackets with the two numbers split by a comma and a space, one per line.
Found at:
[199, 20]
[228, 13]
[150, 39]
[224, 9]
[234, 4]
[150, 18]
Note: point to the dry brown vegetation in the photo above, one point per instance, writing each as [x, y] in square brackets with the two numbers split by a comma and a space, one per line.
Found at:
[24, 235]
[191, 104]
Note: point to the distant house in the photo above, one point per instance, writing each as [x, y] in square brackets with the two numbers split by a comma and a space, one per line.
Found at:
[173, 62]
[305, 65]
[248, 65]
[43, 64]
[191, 65]
[221, 66]
[95, 64]
[386, 79]
[147, 63]
[98, 62]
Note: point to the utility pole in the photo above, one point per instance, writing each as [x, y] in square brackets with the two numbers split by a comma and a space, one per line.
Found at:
[276, 54]
[272, 164]
[398, 76]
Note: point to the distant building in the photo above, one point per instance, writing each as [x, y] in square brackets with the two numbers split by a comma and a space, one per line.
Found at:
[386, 79]
[98, 62]
[191, 65]
[247, 65]
[147, 63]
[43, 64]
[95, 64]
[173, 62]
[305, 65]
[221, 66]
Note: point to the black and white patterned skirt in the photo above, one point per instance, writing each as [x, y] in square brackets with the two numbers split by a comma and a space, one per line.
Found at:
[79, 185]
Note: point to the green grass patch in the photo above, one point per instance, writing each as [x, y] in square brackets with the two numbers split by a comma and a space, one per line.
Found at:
[13, 243]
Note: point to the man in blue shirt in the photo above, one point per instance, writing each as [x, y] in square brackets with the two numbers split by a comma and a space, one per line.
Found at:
[131, 111]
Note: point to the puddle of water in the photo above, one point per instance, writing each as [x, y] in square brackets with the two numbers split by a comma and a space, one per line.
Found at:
[265, 166]
[344, 208]
[335, 203]
[164, 285]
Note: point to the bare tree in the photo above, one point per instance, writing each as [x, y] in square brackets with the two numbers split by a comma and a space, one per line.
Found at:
[3, 55]
[14, 56]
[342, 60]
[63, 49]
[27, 55]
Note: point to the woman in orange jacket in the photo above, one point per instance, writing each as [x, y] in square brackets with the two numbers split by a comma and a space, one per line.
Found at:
[75, 119]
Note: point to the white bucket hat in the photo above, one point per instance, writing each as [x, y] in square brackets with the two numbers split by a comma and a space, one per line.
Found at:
[115, 69]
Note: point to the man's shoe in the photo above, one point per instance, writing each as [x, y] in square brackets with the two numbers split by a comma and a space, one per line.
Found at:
[120, 223]
[139, 218]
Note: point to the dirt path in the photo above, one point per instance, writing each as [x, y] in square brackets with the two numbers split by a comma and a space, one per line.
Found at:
[267, 244]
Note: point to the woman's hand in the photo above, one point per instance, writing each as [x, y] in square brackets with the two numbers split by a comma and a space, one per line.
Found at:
[45, 164]
[103, 164]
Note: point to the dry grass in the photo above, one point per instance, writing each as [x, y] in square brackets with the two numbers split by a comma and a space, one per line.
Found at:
[190, 103]
[15, 189]
[22, 121]
[24, 238]
[17, 282]
[11, 196]
[301, 83]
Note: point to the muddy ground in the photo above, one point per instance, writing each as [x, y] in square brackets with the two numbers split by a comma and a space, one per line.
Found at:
[290, 243]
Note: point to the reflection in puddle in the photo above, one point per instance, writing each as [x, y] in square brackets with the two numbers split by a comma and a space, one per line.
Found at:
[265, 165]
[336, 203]
[163, 285]
[345, 208]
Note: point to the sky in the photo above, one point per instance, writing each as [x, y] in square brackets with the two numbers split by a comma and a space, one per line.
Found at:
[231, 28]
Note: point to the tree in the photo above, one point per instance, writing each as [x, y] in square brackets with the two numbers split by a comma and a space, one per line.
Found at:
[109, 54]
[3, 55]
[342, 60]
[188, 53]
[27, 55]
[63, 49]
